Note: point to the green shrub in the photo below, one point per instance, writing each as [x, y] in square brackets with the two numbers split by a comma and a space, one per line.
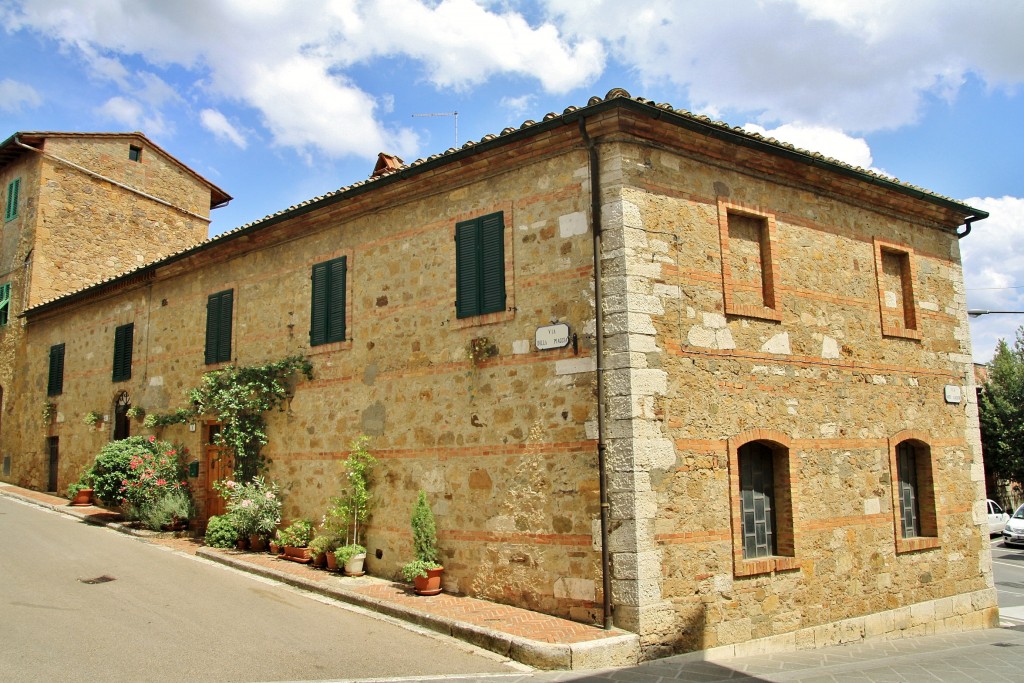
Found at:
[136, 472]
[172, 507]
[111, 468]
[347, 552]
[221, 532]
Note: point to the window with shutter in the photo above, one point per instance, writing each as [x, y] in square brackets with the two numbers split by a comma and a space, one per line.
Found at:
[5, 303]
[123, 340]
[327, 315]
[480, 265]
[13, 189]
[218, 327]
[55, 379]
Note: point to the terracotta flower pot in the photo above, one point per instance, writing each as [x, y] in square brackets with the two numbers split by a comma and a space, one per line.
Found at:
[297, 554]
[320, 560]
[257, 544]
[429, 584]
[332, 561]
[83, 497]
[275, 548]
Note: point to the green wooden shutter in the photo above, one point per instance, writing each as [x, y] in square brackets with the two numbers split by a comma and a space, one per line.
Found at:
[327, 314]
[218, 327]
[492, 263]
[124, 337]
[338, 270]
[55, 380]
[5, 303]
[13, 188]
[467, 293]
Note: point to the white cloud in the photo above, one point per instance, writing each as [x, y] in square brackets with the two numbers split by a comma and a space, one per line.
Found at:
[15, 95]
[517, 106]
[852, 65]
[218, 124]
[132, 114]
[993, 258]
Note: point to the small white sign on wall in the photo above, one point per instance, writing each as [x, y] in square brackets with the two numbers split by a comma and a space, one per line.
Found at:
[952, 393]
[552, 336]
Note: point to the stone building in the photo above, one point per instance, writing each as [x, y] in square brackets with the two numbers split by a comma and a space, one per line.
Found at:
[80, 208]
[775, 394]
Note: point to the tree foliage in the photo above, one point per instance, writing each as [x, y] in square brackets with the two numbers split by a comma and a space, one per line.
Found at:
[1001, 413]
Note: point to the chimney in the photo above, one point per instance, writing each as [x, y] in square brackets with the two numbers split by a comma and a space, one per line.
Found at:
[386, 163]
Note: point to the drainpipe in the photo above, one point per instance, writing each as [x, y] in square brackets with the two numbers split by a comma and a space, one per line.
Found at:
[595, 226]
[967, 226]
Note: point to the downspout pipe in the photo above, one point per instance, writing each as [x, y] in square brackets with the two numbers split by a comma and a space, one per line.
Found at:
[595, 227]
[967, 226]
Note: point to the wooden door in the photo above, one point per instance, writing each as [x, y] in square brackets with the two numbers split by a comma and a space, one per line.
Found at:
[220, 465]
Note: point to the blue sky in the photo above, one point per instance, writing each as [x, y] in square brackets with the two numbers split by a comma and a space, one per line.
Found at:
[279, 101]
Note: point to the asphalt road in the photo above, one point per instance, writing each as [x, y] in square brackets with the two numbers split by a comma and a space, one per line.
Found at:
[1008, 569]
[79, 602]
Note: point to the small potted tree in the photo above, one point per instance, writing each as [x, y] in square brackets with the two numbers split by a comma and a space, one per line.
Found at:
[424, 571]
[350, 511]
[80, 492]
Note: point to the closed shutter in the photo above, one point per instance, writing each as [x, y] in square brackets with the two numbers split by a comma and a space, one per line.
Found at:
[492, 264]
[13, 189]
[5, 303]
[218, 327]
[124, 337]
[480, 266]
[55, 379]
[327, 315]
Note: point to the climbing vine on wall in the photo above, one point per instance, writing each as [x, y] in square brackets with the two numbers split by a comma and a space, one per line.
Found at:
[238, 397]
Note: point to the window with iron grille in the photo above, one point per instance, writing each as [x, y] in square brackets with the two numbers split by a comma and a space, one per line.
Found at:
[757, 500]
[906, 474]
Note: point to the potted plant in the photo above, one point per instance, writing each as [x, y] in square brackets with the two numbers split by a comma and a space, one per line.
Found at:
[350, 511]
[80, 492]
[322, 545]
[295, 538]
[256, 507]
[92, 418]
[424, 571]
[221, 532]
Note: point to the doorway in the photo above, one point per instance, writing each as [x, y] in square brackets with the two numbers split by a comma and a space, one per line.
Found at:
[220, 465]
[122, 423]
[53, 449]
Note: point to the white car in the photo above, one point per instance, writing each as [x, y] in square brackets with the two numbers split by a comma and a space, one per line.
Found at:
[997, 518]
[1013, 532]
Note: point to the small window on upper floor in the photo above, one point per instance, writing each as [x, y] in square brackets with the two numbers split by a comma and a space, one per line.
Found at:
[134, 153]
[749, 263]
[55, 377]
[5, 303]
[480, 266]
[327, 315]
[123, 340]
[218, 326]
[895, 273]
[13, 190]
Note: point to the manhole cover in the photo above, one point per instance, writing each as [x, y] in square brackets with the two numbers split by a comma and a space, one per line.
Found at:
[98, 579]
[1006, 644]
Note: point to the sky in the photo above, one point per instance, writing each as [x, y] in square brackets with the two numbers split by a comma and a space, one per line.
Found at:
[279, 101]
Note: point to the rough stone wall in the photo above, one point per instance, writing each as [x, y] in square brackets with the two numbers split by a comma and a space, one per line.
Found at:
[89, 229]
[504, 448]
[815, 373]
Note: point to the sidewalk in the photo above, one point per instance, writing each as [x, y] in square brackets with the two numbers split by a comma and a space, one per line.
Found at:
[544, 642]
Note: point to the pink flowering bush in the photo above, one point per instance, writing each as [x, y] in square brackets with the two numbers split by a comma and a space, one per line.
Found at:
[254, 506]
[138, 473]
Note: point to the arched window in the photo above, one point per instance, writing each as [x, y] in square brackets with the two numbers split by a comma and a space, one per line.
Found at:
[915, 520]
[122, 423]
[762, 501]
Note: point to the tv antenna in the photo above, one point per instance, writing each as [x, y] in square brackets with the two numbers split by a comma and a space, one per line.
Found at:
[448, 113]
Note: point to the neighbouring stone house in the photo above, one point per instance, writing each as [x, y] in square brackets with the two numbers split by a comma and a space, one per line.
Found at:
[775, 394]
